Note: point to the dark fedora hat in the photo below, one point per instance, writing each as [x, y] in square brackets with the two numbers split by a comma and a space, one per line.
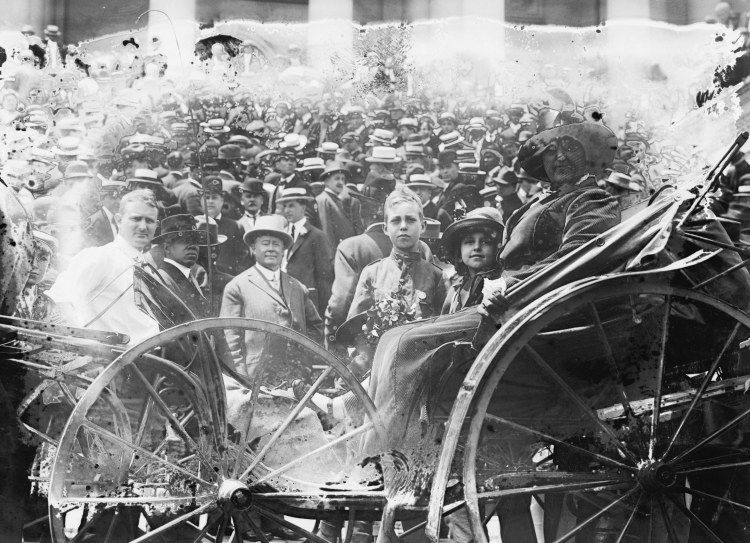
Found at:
[180, 227]
[598, 141]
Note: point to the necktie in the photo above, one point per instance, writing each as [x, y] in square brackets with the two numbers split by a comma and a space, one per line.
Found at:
[294, 237]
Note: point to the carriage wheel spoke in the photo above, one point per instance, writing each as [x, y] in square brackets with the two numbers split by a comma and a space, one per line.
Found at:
[667, 521]
[287, 421]
[176, 426]
[521, 427]
[614, 368]
[447, 510]
[699, 393]
[112, 524]
[628, 522]
[255, 528]
[83, 529]
[293, 527]
[222, 529]
[174, 522]
[714, 467]
[67, 394]
[109, 435]
[596, 485]
[595, 516]
[713, 497]
[694, 519]
[710, 437]
[164, 442]
[251, 413]
[580, 403]
[342, 439]
[659, 378]
[211, 521]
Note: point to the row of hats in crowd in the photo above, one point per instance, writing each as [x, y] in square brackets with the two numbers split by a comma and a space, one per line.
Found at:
[463, 151]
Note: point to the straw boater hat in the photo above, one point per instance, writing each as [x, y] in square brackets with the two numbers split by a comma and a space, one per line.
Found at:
[42, 240]
[144, 176]
[328, 147]
[294, 194]
[421, 181]
[481, 217]
[269, 225]
[383, 155]
[380, 136]
[293, 142]
[598, 141]
[312, 164]
[215, 126]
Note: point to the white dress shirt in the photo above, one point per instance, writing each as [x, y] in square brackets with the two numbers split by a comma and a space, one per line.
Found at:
[100, 280]
[272, 276]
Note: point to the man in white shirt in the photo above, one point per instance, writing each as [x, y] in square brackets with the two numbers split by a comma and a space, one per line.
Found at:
[96, 290]
[265, 292]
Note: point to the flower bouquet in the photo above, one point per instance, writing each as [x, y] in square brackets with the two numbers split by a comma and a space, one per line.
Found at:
[399, 307]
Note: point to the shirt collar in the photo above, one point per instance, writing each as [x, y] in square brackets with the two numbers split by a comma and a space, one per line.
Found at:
[218, 217]
[268, 274]
[329, 191]
[107, 213]
[184, 269]
[126, 248]
[299, 224]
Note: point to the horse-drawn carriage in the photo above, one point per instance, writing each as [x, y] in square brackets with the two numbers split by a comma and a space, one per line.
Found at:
[613, 396]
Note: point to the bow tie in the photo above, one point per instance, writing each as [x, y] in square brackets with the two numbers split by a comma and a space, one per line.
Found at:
[405, 259]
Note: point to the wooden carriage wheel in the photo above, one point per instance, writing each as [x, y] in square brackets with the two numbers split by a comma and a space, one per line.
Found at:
[187, 466]
[619, 406]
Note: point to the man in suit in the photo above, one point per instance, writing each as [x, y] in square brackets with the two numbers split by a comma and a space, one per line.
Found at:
[180, 238]
[309, 259]
[267, 293]
[254, 200]
[233, 257]
[339, 215]
[423, 186]
[102, 226]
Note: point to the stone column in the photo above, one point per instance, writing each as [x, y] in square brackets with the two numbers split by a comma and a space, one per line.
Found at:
[329, 31]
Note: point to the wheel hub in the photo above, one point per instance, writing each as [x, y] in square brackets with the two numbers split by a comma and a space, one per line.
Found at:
[235, 493]
[656, 476]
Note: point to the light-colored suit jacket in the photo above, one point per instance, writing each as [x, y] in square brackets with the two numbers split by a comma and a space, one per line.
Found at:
[250, 295]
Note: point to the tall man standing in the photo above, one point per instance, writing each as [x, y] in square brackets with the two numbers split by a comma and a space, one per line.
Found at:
[309, 259]
[339, 215]
[96, 291]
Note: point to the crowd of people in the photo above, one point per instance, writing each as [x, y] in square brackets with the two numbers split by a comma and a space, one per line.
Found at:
[334, 216]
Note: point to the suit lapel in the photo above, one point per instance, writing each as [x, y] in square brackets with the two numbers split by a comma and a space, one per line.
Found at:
[296, 244]
[259, 281]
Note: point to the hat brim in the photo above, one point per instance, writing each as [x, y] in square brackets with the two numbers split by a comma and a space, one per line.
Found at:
[451, 235]
[250, 236]
[422, 185]
[294, 198]
[383, 160]
[199, 234]
[208, 130]
[598, 141]
[350, 329]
